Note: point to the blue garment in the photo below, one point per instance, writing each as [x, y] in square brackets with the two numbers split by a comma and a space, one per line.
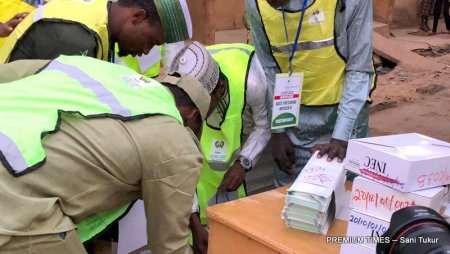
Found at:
[317, 125]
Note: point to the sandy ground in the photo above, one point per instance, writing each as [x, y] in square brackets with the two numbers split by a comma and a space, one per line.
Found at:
[410, 99]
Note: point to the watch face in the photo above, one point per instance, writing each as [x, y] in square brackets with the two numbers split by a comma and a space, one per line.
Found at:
[246, 163]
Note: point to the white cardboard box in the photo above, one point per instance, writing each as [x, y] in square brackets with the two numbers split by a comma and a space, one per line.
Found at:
[406, 162]
[356, 249]
[369, 227]
[377, 200]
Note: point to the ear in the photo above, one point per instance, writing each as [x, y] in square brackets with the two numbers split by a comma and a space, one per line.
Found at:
[222, 86]
[192, 115]
[139, 15]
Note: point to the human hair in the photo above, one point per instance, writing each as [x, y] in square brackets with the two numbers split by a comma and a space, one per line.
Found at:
[181, 97]
[147, 5]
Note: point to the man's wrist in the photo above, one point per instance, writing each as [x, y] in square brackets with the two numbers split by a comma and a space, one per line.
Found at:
[194, 220]
[246, 163]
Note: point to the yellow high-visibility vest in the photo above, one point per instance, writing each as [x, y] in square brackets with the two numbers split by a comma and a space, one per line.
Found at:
[316, 56]
[10, 8]
[92, 14]
[221, 146]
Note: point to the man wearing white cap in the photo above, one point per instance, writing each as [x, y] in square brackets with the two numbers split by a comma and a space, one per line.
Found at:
[92, 27]
[236, 82]
[83, 136]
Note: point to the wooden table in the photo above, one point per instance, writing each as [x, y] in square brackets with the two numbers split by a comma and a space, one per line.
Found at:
[254, 225]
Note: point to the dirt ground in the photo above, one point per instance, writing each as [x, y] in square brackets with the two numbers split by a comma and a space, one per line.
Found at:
[409, 99]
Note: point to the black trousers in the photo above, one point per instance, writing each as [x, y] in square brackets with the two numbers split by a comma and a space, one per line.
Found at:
[441, 6]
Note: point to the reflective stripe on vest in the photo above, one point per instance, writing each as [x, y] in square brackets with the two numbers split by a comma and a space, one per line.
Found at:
[234, 61]
[102, 93]
[307, 45]
[39, 13]
[29, 108]
[91, 14]
[317, 56]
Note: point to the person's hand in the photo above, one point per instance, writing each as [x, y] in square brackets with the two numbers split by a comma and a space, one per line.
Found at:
[233, 178]
[283, 152]
[199, 235]
[336, 148]
[8, 27]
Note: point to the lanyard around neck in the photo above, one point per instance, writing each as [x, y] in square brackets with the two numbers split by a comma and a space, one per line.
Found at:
[297, 35]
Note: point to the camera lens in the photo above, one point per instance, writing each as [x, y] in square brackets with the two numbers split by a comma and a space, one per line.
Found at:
[416, 230]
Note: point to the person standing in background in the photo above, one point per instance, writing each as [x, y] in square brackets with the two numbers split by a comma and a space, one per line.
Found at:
[441, 6]
[425, 10]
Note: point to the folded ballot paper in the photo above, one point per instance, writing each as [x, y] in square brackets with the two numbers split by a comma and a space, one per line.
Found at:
[316, 196]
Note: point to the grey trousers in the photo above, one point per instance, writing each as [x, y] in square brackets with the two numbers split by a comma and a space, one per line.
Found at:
[316, 127]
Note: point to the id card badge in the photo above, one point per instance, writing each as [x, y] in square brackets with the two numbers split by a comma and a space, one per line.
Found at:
[286, 100]
[218, 150]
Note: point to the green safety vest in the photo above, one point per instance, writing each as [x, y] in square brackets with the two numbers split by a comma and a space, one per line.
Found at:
[84, 85]
[134, 63]
[221, 147]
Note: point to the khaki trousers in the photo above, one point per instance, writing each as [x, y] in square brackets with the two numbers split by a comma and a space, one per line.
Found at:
[63, 243]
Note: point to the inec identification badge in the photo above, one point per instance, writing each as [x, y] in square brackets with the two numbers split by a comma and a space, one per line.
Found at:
[218, 150]
[286, 100]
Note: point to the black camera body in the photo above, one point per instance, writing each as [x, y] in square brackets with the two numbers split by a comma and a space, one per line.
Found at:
[416, 230]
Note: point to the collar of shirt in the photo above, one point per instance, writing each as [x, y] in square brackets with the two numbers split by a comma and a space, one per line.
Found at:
[296, 5]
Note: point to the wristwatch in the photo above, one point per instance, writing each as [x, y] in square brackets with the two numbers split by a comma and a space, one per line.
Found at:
[246, 163]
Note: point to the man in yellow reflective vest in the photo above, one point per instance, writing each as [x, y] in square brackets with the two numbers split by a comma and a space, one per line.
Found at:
[83, 136]
[92, 27]
[330, 42]
[235, 79]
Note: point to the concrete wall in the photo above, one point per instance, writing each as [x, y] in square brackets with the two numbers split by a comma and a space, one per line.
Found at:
[210, 16]
[228, 14]
[202, 14]
[383, 11]
[405, 13]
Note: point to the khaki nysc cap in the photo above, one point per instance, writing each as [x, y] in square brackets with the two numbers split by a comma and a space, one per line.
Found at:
[194, 89]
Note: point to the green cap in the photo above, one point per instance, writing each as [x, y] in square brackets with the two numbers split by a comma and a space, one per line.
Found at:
[175, 19]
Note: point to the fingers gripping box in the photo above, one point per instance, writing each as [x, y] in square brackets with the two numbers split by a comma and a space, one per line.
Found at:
[377, 200]
[406, 162]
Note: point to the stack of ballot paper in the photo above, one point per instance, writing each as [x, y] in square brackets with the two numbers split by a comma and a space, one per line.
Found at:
[316, 196]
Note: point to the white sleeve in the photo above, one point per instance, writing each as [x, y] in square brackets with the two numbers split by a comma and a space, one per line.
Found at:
[256, 111]
[195, 208]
